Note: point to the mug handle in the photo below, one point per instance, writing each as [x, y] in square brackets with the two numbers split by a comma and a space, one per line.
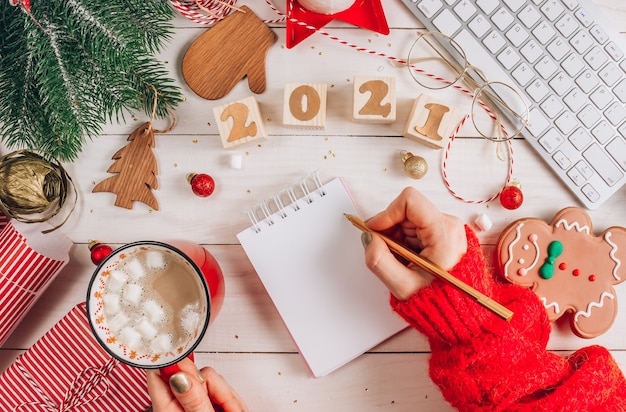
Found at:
[167, 372]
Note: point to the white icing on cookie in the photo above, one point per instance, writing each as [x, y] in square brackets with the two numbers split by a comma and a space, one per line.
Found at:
[518, 235]
[575, 225]
[554, 305]
[618, 263]
[591, 305]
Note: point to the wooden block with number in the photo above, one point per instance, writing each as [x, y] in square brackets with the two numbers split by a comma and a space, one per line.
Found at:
[305, 105]
[374, 99]
[430, 122]
[240, 122]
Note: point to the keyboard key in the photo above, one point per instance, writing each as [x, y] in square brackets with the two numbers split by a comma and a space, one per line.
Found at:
[430, 7]
[514, 5]
[560, 83]
[446, 22]
[583, 17]
[614, 51]
[596, 58]
[620, 90]
[509, 58]
[617, 150]
[562, 160]
[537, 90]
[479, 25]
[464, 10]
[601, 97]
[610, 74]
[589, 116]
[565, 122]
[546, 67]
[603, 132]
[602, 164]
[580, 139]
[567, 25]
[543, 32]
[551, 106]
[532, 51]
[598, 34]
[587, 81]
[575, 99]
[488, 6]
[537, 122]
[502, 19]
[517, 35]
[584, 169]
[551, 140]
[558, 48]
[494, 42]
[523, 74]
[552, 10]
[616, 113]
[573, 64]
[529, 16]
[591, 193]
[581, 41]
[576, 177]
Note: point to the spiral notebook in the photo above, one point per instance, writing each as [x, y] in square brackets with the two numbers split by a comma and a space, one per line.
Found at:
[310, 260]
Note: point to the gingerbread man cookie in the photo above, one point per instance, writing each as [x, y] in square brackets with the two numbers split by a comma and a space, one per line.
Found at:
[571, 270]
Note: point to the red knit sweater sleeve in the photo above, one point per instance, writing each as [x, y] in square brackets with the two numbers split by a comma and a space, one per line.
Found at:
[483, 363]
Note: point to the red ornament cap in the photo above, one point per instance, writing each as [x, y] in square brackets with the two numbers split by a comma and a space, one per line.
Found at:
[511, 196]
[99, 251]
[202, 184]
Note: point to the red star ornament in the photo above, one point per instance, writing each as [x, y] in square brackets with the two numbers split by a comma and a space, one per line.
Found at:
[367, 14]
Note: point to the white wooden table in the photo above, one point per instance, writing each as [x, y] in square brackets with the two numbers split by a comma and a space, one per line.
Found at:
[248, 343]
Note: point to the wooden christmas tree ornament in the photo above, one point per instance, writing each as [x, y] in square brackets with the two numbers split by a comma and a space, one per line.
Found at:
[135, 169]
[232, 49]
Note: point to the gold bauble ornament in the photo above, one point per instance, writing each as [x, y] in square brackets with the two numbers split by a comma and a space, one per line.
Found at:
[415, 167]
[32, 189]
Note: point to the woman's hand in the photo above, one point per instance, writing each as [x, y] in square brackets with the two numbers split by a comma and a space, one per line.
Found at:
[411, 219]
[193, 390]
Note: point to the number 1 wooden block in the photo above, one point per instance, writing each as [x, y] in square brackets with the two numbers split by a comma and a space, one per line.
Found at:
[305, 105]
[374, 99]
[430, 122]
[240, 122]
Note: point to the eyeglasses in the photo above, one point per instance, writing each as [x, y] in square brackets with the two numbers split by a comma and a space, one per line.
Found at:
[436, 61]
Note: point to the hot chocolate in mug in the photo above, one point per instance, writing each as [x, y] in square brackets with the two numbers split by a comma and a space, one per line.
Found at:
[150, 303]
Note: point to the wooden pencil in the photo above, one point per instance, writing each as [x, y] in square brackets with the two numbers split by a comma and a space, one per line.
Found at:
[436, 271]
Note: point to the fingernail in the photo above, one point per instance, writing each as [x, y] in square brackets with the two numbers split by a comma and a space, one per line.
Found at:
[199, 375]
[180, 382]
[366, 238]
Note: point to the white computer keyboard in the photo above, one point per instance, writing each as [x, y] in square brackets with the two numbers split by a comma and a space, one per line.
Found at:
[568, 62]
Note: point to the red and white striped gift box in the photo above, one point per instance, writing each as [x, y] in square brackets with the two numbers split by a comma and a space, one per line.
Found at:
[67, 370]
[29, 261]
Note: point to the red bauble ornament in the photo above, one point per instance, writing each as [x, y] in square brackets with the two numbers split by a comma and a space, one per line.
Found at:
[201, 184]
[99, 251]
[512, 197]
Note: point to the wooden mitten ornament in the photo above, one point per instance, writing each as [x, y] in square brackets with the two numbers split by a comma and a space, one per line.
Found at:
[232, 49]
[571, 270]
[136, 169]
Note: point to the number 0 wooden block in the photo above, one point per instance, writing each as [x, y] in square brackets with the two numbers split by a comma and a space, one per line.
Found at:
[430, 122]
[240, 122]
[305, 105]
[374, 99]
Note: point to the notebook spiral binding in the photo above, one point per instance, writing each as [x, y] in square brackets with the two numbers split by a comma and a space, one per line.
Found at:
[286, 201]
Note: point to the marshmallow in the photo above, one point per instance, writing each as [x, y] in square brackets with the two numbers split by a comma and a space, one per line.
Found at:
[116, 280]
[236, 161]
[130, 337]
[190, 322]
[117, 322]
[132, 293]
[483, 222]
[154, 312]
[146, 329]
[111, 303]
[155, 260]
[135, 269]
[162, 343]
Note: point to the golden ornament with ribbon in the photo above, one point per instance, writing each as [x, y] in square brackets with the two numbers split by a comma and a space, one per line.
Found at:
[33, 188]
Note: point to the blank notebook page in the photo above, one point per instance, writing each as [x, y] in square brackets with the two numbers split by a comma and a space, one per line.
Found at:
[311, 263]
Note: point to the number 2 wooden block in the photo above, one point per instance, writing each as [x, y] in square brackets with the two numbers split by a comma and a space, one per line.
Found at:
[305, 105]
[240, 122]
[374, 99]
[430, 122]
